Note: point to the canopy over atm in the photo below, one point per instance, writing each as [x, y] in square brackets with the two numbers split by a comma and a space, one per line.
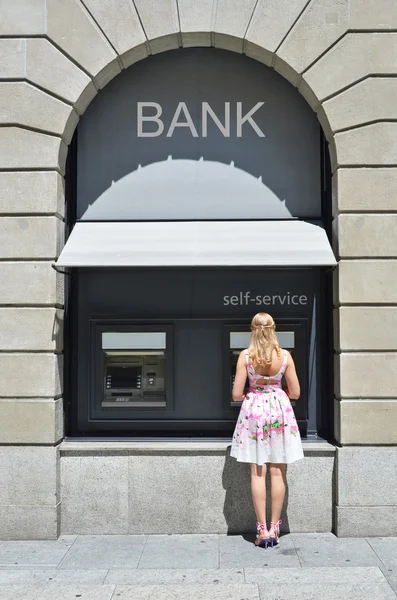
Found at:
[277, 243]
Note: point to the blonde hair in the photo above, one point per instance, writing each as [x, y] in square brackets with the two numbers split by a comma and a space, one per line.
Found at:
[263, 340]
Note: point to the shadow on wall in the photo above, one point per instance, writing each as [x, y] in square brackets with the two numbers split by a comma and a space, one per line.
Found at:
[238, 508]
[208, 187]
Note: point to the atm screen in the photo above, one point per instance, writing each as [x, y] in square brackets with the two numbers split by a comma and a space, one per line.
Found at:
[121, 377]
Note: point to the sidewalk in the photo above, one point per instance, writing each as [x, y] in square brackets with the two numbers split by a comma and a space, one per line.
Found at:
[204, 566]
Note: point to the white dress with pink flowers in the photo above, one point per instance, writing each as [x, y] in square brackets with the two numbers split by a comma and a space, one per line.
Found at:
[266, 429]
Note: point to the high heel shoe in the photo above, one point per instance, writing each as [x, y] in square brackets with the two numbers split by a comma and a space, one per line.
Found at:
[262, 535]
[274, 539]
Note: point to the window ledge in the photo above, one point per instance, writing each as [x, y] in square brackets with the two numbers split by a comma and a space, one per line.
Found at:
[205, 446]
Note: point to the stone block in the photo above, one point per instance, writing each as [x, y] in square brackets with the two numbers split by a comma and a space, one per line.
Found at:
[238, 551]
[25, 17]
[90, 552]
[30, 237]
[164, 43]
[285, 69]
[28, 475]
[159, 18]
[364, 190]
[366, 375]
[366, 235]
[366, 282]
[386, 549]
[12, 58]
[84, 42]
[337, 419]
[30, 192]
[30, 283]
[199, 39]
[232, 19]
[31, 329]
[31, 421]
[359, 466]
[228, 42]
[367, 421]
[374, 144]
[23, 149]
[381, 14]
[195, 16]
[86, 509]
[355, 327]
[322, 579]
[319, 26]
[317, 514]
[174, 552]
[366, 521]
[52, 70]
[258, 53]
[271, 21]
[29, 522]
[184, 477]
[223, 508]
[24, 375]
[368, 101]
[182, 470]
[317, 552]
[27, 106]
[353, 58]
[165, 576]
[134, 55]
[37, 559]
[119, 21]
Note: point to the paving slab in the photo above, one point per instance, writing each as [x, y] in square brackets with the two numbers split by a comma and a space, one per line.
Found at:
[27, 554]
[41, 576]
[220, 591]
[314, 575]
[386, 549]
[179, 551]
[104, 552]
[390, 574]
[327, 550]
[285, 591]
[56, 592]
[174, 576]
[240, 551]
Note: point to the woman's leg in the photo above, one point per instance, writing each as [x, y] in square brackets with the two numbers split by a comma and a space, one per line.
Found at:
[258, 490]
[277, 490]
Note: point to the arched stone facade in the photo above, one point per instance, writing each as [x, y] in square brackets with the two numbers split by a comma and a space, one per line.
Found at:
[55, 56]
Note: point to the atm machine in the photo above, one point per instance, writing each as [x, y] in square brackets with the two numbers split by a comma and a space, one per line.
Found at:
[134, 370]
[291, 337]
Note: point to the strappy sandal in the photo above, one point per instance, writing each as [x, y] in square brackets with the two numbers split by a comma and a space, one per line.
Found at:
[274, 539]
[262, 535]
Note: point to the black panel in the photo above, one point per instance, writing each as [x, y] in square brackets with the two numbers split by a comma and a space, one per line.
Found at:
[190, 305]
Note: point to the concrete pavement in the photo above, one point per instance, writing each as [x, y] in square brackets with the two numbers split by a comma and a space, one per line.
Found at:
[206, 566]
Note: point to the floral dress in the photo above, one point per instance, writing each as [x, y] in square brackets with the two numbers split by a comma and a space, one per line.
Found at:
[266, 429]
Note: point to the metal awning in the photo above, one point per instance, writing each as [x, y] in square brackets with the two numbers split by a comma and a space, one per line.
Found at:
[197, 244]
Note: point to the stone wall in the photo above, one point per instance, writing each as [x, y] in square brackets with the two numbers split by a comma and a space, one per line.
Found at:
[55, 56]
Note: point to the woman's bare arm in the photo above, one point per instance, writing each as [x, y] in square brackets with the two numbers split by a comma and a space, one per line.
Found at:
[292, 380]
[240, 378]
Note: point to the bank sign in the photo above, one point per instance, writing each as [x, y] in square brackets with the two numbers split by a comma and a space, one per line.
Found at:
[198, 134]
[152, 112]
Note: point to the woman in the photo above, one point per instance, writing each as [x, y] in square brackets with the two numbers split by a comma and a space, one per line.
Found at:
[266, 430]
